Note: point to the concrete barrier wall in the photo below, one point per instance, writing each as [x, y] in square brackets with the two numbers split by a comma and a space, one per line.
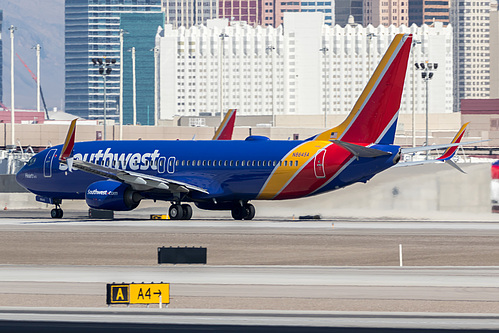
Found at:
[419, 191]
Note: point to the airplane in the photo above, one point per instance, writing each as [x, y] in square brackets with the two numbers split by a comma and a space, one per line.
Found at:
[228, 174]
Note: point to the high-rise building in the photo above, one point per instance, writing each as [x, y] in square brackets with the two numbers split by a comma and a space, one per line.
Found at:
[273, 10]
[1, 56]
[141, 31]
[92, 30]
[494, 51]
[471, 24]
[345, 8]
[241, 10]
[428, 11]
[302, 67]
[187, 13]
[386, 12]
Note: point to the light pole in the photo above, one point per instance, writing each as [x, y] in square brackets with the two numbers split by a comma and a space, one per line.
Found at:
[105, 69]
[134, 82]
[426, 74]
[37, 47]
[370, 37]
[324, 51]
[414, 43]
[222, 50]
[270, 49]
[156, 53]
[122, 33]
[12, 114]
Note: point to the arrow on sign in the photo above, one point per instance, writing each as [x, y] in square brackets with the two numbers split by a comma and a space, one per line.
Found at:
[158, 293]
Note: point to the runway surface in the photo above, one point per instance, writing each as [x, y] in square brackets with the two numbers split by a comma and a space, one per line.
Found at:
[291, 267]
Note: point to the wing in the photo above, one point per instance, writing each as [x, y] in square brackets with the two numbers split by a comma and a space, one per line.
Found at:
[139, 181]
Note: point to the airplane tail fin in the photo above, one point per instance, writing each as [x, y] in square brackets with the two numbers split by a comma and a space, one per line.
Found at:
[451, 151]
[226, 128]
[67, 149]
[374, 116]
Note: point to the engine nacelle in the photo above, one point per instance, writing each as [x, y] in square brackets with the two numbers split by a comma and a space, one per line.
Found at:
[112, 195]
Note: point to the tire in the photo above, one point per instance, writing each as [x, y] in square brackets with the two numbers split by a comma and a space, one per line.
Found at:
[187, 210]
[56, 213]
[176, 212]
[250, 211]
[238, 212]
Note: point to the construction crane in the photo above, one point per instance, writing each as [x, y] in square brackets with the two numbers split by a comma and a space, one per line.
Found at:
[36, 81]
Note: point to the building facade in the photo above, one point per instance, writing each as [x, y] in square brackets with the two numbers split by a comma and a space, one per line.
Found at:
[141, 31]
[494, 51]
[273, 11]
[92, 30]
[1, 56]
[303, 67]
[471, 23]
[344, 8]
[429, 11]
[386, 12]
[189, 12]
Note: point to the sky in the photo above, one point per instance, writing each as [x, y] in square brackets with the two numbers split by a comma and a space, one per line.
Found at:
[38, 22]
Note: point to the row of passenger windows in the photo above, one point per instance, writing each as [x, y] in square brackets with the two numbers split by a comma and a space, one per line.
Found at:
[227, 163]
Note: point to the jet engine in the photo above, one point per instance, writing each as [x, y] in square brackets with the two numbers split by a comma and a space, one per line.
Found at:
[112, 195]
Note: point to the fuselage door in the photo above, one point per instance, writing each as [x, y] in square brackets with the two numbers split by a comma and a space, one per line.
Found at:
[161, 164]
[171, 165]
[47, 164]
[319, 161]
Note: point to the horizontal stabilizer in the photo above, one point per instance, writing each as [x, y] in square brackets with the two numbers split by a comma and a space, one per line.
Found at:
[425, 148]
[361, 151]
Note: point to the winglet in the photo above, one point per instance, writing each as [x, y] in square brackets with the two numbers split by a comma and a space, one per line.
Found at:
[451, 151]
[226, 128]
[69, 143]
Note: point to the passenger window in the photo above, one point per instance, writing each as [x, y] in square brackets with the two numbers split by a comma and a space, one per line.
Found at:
[193, 163]
[183, 163]
[258, 163]
[220, 163]
[264, 163]
[275, 163]
[199, 162]
[204, 163]
[209, 163]
[242, 163]
[231, 163]
[296, 163]
[237, 163]
[285, 163]
[253, 163]
[177, 162]
[225, 163]
[188, 163]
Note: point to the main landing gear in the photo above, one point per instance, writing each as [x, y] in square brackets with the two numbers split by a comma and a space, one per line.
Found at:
[180, 212]
[57, 212]
[243, 212]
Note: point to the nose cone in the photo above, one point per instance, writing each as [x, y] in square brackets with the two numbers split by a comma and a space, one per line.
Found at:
[21, 177]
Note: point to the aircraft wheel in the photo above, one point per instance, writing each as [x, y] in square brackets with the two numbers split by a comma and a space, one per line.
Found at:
[56, 213]
[250, 211]
[187, 210]
[176, 212]
[238, 212]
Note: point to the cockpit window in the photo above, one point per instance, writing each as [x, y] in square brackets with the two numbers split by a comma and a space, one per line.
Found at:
[31, 161]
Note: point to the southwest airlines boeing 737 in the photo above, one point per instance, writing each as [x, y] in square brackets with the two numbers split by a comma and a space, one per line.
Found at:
[228, 174]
